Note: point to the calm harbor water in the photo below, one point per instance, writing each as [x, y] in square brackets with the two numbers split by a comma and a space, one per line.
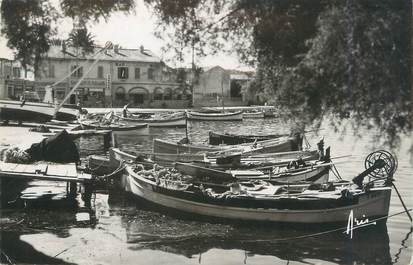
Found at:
[125, 231]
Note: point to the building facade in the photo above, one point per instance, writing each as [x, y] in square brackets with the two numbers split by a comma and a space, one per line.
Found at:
[121, 76]
[14, 80]
[217, 86]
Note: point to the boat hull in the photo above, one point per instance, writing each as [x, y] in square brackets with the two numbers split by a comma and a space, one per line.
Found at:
[235, 116]
[140, 129]
[369, 205]
[34, 111]
[169, 122]
[269, 146]
[232, 139]
[253, 115]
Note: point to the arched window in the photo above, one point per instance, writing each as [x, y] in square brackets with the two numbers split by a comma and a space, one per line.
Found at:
[138, 95]
[158, 93]
[120, 93]
[178, 93]
[167, 95]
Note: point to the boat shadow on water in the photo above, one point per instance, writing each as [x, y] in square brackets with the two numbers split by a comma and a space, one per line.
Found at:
[147, 228]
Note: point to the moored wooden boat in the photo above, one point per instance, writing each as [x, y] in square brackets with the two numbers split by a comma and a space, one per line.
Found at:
[164, 121]
[35, 111]
[253, 115]
[231, 138]
[264, 202]
[116, 127]
[282, 144]
[229, 116]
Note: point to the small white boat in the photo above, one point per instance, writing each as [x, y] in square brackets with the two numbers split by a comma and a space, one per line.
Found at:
[116, 127]
[254, 115]
[157, 121]
[227, 116]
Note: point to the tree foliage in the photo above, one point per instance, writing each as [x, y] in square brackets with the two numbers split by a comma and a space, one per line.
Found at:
[313, 57]
[356, 65]
[27, 26]
[94, 9]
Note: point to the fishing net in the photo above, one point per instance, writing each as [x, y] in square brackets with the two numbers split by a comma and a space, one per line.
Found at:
[17, 155]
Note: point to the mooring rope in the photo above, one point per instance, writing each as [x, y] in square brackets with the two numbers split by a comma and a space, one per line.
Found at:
[121, 167]
[336, 172]
[99, 166]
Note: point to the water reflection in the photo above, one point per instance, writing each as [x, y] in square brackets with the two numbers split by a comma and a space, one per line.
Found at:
[139, 228]
[37, 220]
[148, 229]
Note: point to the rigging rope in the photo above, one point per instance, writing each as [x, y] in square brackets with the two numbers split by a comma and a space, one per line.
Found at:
[335, 171]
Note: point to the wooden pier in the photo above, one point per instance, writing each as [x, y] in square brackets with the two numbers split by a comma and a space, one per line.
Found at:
[67, 173]
[44, 171]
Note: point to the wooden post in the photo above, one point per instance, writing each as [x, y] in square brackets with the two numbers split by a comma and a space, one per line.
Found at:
[222, 93]
[186, 126]
[87, 194]
[72, 189]
[114, 140]
[106, 141]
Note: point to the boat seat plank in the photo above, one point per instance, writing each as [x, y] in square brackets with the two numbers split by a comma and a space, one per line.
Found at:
[20, 168]
[30, 168]
[9, 167]
[65, 170]
[72, 171]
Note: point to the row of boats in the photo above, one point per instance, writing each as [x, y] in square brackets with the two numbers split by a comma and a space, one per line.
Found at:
[268, 179]
[38, 111]
[246, 177]
[131, 121]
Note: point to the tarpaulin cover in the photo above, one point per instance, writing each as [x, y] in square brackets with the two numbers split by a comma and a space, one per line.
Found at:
[57, 148]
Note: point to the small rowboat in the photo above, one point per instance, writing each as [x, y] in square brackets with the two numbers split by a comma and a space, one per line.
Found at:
[339, 202]
[254, 115]
[231, 139]
[282, 144]
[165, 121]
[229, 116]
[116, 127]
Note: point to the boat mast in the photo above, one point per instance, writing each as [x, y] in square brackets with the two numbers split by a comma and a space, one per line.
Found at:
[222, 93]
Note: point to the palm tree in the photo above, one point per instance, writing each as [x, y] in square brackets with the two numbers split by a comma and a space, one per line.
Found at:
[80, 38]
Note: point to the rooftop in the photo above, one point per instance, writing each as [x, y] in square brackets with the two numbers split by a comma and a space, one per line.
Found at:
[114, 54]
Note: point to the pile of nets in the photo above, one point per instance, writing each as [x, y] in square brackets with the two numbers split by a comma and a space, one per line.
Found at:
[17, 155]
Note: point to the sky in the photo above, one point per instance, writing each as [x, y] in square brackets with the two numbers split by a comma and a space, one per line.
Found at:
[131, 31]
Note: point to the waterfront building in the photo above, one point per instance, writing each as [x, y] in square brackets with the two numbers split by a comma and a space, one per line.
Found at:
[14, 80]
[217, 86]
[136, 77]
